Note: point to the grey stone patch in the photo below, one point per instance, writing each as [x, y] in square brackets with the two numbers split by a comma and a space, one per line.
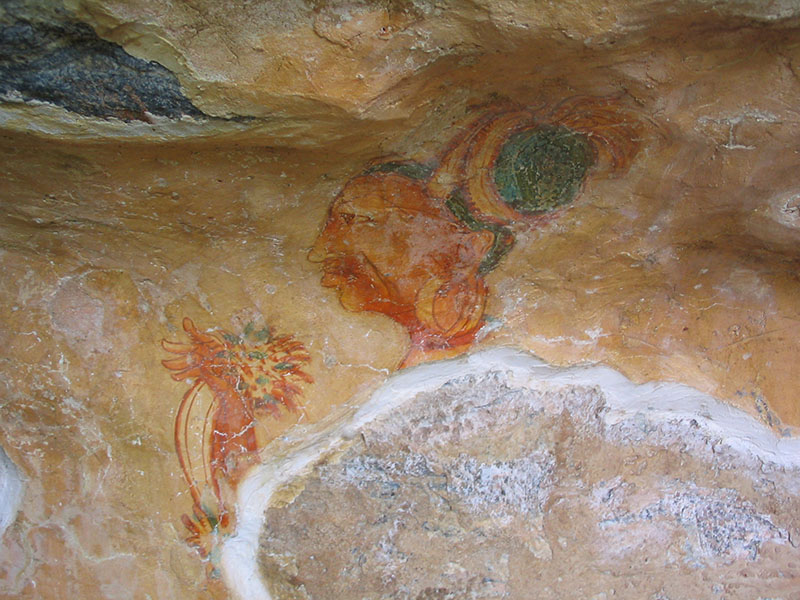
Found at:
[678, 434]
[45, 56]
[686, 436]
[482, 489]
[502, 488]
[722, 524]
[717, 523]
[470, 407]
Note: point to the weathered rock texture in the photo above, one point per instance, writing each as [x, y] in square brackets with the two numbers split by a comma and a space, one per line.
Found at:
[164, 161]
[51, 58]
[483, 489]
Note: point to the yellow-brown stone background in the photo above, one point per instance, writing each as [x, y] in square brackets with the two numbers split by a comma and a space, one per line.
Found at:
[684, 269]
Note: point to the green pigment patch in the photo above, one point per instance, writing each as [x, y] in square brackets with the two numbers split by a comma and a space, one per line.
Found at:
[541, 169]
[407, 168]
[503, 238]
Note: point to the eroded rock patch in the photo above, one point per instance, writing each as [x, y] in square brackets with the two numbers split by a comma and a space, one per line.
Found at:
[485, 490]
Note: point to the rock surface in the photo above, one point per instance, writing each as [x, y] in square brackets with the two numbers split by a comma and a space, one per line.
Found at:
[485, 489]
[186, 211]
[50, 58]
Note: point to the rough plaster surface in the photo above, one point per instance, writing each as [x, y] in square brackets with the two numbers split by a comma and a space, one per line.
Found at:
[497, 476]
[112, 231]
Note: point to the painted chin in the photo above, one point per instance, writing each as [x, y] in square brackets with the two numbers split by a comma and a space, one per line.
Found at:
[346, 276]
[333, 280]
[351, 299]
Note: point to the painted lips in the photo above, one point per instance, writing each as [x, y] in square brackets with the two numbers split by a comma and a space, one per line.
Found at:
[340, 270]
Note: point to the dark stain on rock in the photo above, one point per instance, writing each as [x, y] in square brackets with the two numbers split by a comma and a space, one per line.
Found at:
[65, 63]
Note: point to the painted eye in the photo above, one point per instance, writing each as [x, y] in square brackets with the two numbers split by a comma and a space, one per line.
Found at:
[351, 218]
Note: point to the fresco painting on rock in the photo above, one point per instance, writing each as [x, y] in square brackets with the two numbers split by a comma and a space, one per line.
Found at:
[407, 239]
[251, 377]
[414, 240]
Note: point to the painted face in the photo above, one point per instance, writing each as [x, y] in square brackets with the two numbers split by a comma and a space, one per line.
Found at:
[385, 240]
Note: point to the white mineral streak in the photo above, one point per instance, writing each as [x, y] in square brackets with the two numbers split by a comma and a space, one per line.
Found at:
[657, 403]
[45, 119]
[10, 491]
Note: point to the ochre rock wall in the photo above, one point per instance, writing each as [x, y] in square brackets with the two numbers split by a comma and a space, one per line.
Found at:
[387, 184]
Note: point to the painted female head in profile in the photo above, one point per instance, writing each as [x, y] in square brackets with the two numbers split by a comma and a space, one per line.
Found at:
[414, 242]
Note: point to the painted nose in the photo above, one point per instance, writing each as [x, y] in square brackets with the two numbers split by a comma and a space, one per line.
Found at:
[318, 251]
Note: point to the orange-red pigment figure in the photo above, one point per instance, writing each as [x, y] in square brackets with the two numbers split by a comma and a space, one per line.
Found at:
[250, 378]
[377, 251]
[414, 241]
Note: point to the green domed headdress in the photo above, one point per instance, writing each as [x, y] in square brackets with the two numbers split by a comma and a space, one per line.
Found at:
[538, 170]
[514, 165]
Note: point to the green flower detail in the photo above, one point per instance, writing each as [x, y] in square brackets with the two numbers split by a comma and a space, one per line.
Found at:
[232, 339]
[262, 335]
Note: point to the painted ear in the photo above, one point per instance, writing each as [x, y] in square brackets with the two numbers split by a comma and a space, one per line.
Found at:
[472, 249]
[451, 307]
[483, 241]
